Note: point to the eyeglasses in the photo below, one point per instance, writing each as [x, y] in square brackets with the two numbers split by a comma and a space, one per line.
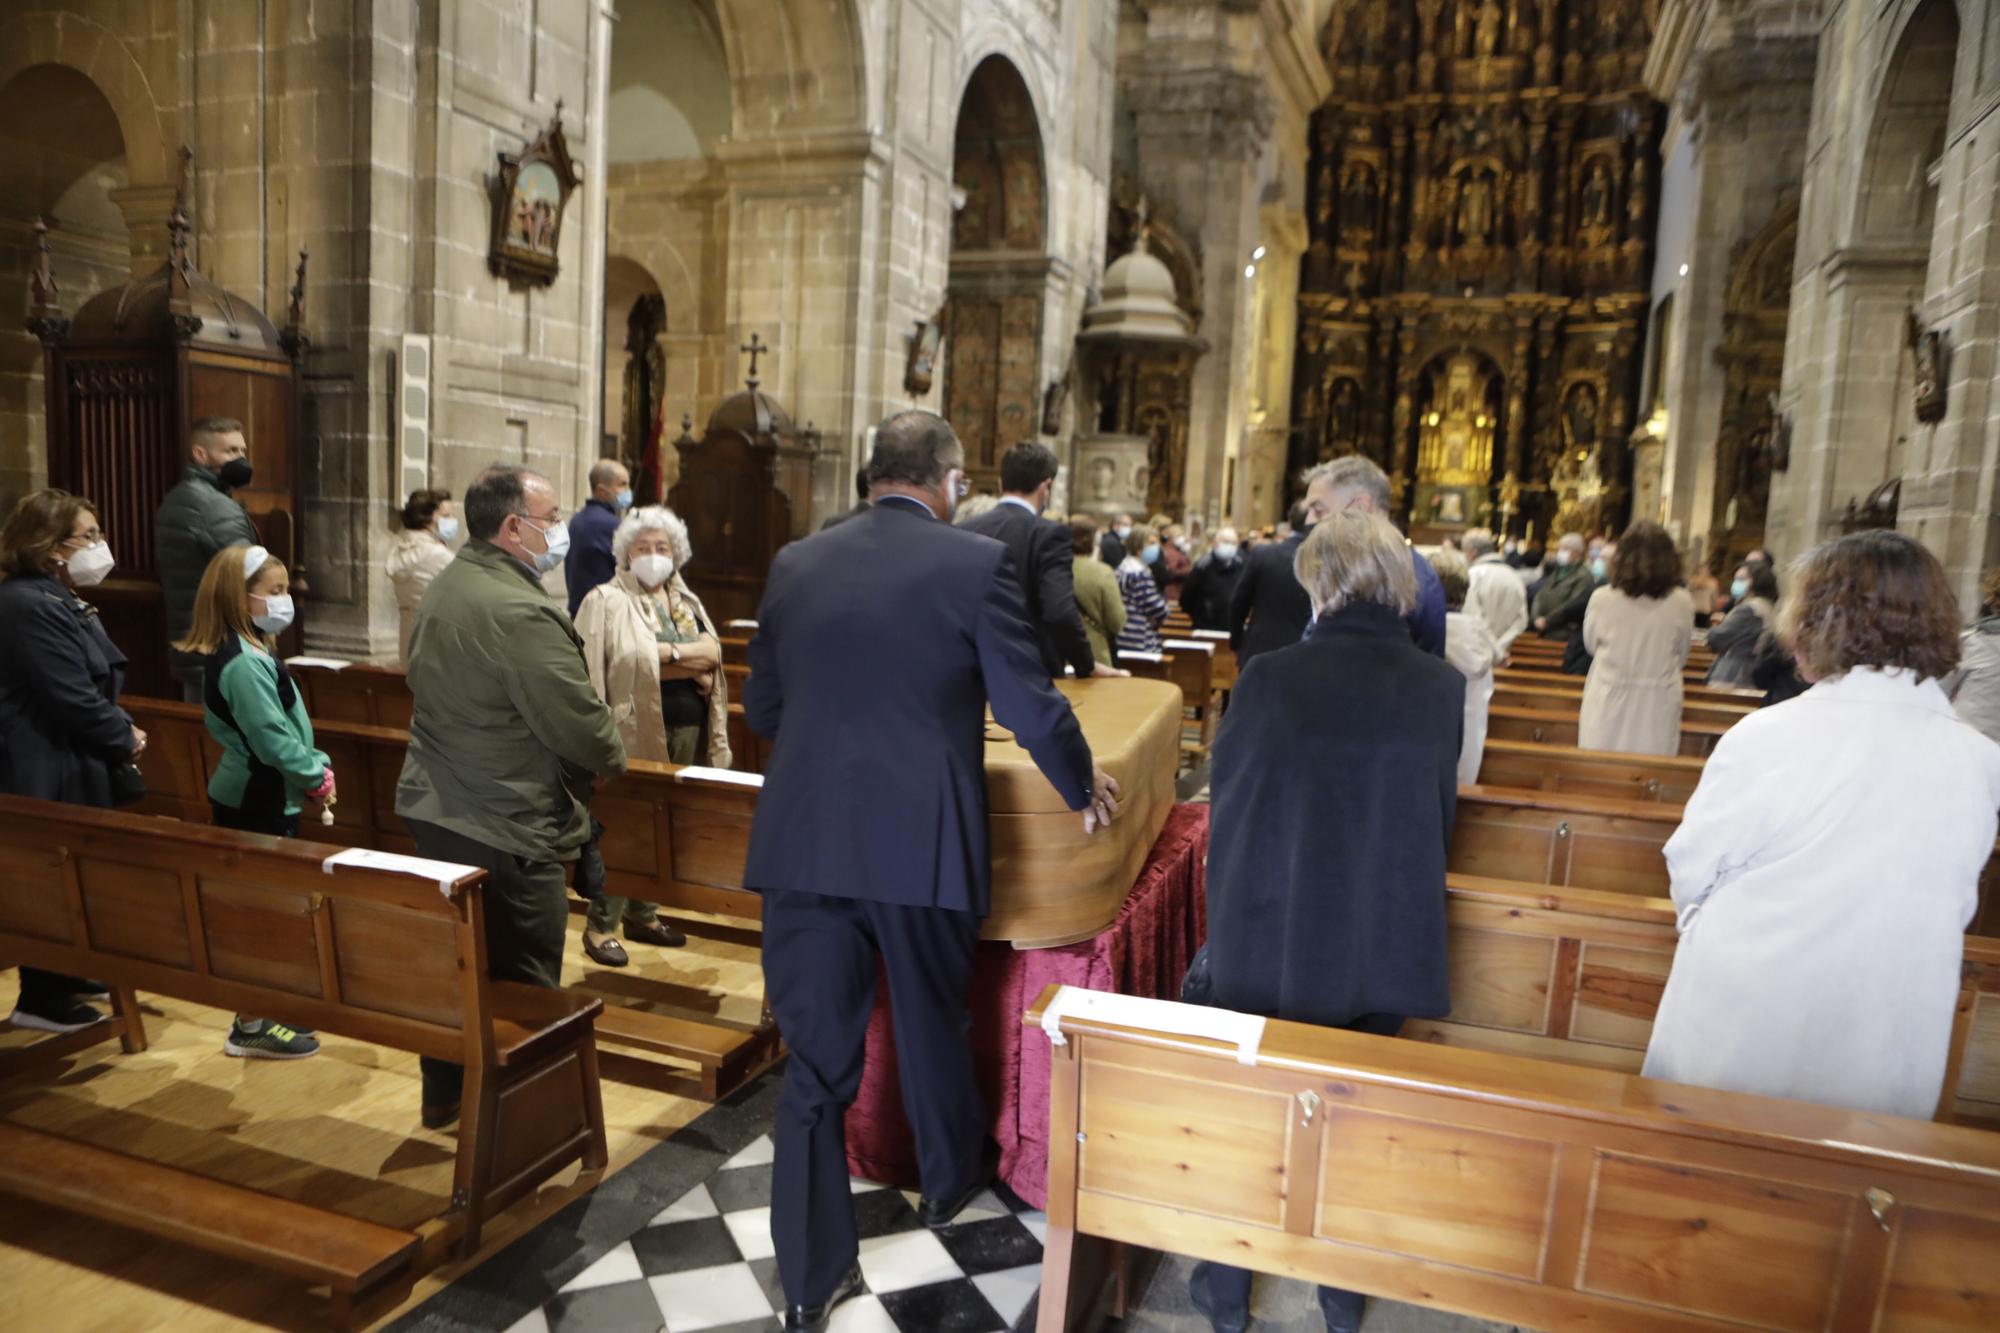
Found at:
[90, 538]
[964, 487]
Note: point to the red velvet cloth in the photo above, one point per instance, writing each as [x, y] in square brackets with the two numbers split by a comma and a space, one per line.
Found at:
[1146, 951]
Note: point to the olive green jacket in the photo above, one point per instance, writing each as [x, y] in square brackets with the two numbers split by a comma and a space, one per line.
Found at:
[506, 730]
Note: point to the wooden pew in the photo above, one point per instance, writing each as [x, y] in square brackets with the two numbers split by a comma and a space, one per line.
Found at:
[254, 924]
[1564, 839]
[1568, 770]
[1557, 698]
[1191, 667]
[1576, 975]
[1557, 680]
[1558, 726]
[1505, 1187]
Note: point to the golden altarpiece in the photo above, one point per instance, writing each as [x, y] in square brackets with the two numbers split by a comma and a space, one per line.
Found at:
[1481, 206]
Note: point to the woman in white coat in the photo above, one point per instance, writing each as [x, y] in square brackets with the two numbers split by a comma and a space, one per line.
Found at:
[1469, 646]
[421, 549]
[1636, 630]
[1828, 865]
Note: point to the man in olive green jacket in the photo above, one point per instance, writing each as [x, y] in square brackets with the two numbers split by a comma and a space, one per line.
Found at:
[505, 735]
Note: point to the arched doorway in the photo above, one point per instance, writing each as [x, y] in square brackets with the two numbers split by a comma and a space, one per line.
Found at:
[62, 157]
[999, 269]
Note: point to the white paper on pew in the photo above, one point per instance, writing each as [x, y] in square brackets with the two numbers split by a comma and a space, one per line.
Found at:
[1244, 1031]
[444, 873]
[1141, 657]
[330, 663]
[743, 624]
[720, 775]
[1189, 645]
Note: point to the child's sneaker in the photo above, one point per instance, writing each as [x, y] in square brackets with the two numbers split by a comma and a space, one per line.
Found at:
[262, 1039]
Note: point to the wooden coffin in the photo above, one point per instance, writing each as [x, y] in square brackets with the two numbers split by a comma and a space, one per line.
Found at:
[1052, 883]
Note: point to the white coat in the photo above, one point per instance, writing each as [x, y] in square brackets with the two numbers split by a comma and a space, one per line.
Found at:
[1824, 873]
[1638, 645]
[414, 560]
[1469, 646]
[1497, 597]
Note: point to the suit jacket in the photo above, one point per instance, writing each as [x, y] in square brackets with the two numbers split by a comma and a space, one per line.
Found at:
[1040, 551]
[589, 561]
[878, 646]
[61, 729]
[1209, 588]
[1110, 549]
[1271, 599]
[1334, 786]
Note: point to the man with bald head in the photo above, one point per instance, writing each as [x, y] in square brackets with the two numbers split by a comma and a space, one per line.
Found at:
[506, 734]
[590, 561]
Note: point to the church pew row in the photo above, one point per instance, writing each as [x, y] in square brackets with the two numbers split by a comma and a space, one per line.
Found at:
[1556, 698]
[1561, 768]
[252, 924]
[1561, 930]
[1500, 1186]
[1551, 678]
[1190, 665]
[1557, 725]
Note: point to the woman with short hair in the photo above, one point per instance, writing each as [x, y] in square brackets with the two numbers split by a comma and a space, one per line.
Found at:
[1334, 785]
[1754, 615]
[1828, 864]
[1636, 629]
[656, 659]
[1145, 606]
[63, 736]
[421, 549]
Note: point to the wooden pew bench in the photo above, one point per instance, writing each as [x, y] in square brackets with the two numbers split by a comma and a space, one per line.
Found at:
[1565, 769]
[1564, 839]
[1190, 665]
[252, 924]
[1504, 1187]
[1558, 726]
[1557, 698]
[1557, 680]
[674, 843]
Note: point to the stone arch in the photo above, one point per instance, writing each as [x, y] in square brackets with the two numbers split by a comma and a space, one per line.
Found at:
[1909, 127]
[999, 160]
[795, 65]
[97, 53]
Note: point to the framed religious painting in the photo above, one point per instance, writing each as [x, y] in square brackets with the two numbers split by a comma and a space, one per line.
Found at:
[529, 197]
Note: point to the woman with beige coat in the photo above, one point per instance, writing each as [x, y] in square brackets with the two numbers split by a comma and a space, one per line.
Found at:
[1637, 630]
[655, 658]
[420, 550]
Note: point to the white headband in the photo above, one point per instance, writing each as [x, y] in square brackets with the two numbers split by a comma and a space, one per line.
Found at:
[253, 560]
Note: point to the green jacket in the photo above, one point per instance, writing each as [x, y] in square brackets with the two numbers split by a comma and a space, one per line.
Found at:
[196, 520]
[280, 738]
[506, 730]
[1569, 584]
[1101, 605]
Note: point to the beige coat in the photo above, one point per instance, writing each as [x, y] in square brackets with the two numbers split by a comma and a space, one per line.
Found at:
[1638, 645]
[622, 651]
[414, 560]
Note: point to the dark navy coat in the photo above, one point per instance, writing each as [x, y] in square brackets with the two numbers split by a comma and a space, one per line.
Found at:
[1334, 786]
[61, 729]
[1042, 554]
[878, 645]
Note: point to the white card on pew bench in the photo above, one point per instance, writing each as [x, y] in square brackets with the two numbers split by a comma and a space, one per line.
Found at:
[743, 624]
[1243, 1031]
[1189, 645]
[1221, 634]
[443, 873]
[1141, 657]
[330, 663]
[720, 775]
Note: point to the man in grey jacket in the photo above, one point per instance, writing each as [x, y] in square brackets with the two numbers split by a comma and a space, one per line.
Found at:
[506, 735]
[196, 520]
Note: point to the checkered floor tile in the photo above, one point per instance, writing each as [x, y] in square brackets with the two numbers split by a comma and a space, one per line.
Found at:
[705, 1262]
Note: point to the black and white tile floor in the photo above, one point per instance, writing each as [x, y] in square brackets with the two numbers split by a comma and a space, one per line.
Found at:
[705, 1263]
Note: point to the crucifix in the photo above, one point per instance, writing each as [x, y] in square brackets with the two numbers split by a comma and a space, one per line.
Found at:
[755, 349]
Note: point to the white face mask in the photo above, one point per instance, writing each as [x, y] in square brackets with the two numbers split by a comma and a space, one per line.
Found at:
[652, 570]
[1225, 551]
[277, 616]
[88, 567]
[447, 529]
[557, 537]
[1564, 557]
[1123, 530]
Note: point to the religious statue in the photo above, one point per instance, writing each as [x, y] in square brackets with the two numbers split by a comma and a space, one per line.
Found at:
[1926, 351]
[1358, 199]
[1596, 196]
[1475, 209]
[1580, 417]
[1344, 413]
[1487, 35]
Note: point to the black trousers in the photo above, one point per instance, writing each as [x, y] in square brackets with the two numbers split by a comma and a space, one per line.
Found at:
[527, 910]
[819, 977]
[46, 993]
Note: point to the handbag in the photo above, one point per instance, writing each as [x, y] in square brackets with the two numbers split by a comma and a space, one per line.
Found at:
[128, 784]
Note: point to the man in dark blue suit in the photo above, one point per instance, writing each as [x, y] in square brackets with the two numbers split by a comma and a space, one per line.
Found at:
[878, 645]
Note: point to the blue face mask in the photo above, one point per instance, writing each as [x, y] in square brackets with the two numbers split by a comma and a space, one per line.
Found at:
[1740, 589]
[1151, 553]
[1598, 569]
[447, 529]
[625, 498]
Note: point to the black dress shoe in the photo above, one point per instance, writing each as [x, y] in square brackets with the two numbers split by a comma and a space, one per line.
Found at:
[940, 1213]
[610, 953]
[437, 1117]
[813, 1318]
[655, 932]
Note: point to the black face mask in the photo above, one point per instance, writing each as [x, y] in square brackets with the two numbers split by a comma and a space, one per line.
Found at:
[235, 474]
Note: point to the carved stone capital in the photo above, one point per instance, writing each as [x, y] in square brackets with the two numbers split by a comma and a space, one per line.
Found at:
[1232, 112]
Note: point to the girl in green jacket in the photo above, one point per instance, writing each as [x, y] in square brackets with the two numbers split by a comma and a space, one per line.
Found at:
[256, 716]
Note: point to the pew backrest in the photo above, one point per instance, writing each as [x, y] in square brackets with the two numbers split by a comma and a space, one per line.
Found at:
[1540, 837]
[1565, 769]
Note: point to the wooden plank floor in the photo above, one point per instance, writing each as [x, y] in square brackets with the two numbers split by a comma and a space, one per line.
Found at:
[339, 1130]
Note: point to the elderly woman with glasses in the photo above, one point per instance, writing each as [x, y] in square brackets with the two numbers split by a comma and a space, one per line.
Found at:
[655, 658]
[1334, 785]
